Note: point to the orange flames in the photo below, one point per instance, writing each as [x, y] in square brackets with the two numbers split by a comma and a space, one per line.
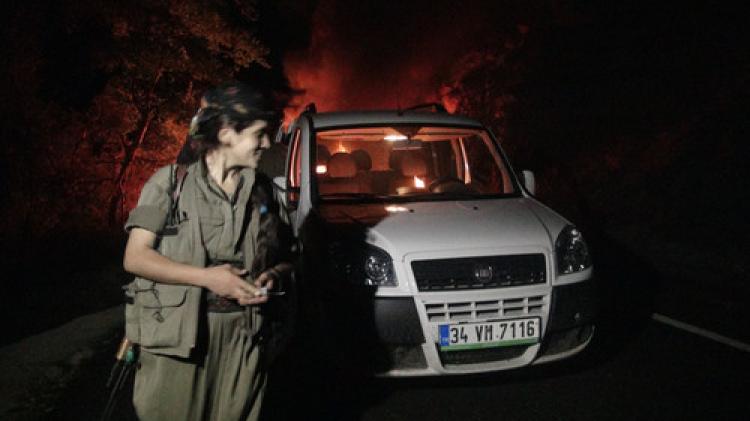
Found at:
[353, 62]
[337, 72]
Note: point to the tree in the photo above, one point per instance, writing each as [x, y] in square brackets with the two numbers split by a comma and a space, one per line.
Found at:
[107, 91]
[484, 82]
[194, 42]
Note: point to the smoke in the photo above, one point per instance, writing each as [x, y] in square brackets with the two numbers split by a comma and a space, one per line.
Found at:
[374, 54]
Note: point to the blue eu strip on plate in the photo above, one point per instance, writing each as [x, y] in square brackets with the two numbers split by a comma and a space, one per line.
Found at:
[444, 334]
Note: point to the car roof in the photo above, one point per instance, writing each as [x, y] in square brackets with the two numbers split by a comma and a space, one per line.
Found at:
[387, 117]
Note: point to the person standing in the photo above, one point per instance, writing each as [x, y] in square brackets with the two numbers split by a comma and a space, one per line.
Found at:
[209, 248]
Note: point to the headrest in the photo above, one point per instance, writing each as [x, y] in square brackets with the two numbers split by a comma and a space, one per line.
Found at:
[394, 160]
[362, 159]
[413, 164]
[341, 165]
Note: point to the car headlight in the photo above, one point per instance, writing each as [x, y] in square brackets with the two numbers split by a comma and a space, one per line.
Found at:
[378, 268]
[572, 251]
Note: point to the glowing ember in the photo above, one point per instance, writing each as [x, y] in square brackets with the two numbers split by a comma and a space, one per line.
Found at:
[342, 148]
[418, 182]
[321, 169]
[395, 137]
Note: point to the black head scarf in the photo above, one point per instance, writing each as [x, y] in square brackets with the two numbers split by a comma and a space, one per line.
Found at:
[232, 104]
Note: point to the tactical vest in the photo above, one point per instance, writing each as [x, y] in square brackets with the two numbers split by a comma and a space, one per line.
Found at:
[163, 318]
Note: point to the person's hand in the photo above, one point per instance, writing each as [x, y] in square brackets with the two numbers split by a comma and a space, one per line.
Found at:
[226, 281]
[265, 280]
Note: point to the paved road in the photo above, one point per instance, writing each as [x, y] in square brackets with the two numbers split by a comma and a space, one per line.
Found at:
[655, 372]
[661, 374]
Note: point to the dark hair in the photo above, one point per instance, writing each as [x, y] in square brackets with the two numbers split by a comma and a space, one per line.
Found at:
[274, 237]
[275, 243]
[231, 104]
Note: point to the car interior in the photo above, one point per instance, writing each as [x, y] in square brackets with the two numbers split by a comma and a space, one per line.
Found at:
[383, 161]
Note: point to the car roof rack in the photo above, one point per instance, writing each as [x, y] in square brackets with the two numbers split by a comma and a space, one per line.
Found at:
[436, 107]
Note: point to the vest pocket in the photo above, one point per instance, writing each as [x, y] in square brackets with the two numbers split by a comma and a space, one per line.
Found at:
[161, 312]
[178, 245]
[211, 229]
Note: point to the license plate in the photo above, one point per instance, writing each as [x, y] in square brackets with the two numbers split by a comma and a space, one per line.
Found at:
[457, 337]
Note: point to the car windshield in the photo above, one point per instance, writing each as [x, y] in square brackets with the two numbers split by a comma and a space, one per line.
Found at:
[411, 163]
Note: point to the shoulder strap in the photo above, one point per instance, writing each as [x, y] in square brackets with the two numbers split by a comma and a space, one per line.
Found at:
[180, 172]
[179, 179]
[254, 230]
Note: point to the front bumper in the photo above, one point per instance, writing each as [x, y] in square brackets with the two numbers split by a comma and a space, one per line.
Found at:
[571, 322]
[407, 327]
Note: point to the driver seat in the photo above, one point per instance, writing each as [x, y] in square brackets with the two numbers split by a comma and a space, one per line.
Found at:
[412, 164]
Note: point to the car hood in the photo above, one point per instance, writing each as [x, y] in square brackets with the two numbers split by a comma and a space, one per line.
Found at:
[439, 226]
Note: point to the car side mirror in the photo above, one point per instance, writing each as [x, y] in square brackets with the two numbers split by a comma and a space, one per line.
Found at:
[288, 196]
[529, 181]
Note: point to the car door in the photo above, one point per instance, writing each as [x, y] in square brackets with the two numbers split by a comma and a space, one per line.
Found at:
[296, 196]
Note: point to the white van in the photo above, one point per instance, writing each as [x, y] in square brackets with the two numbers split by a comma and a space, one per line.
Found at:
[469, 272]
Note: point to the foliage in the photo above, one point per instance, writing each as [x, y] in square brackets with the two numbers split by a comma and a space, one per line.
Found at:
[483, 84]
[101, 93]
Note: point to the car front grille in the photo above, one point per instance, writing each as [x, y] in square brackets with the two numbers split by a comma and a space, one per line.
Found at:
[479, 272]
[475, 356]
[481, 310]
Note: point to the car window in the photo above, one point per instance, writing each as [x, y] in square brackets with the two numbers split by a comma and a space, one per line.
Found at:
[409, 162]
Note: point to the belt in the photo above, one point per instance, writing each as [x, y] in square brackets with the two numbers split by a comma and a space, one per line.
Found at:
[218, 304]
